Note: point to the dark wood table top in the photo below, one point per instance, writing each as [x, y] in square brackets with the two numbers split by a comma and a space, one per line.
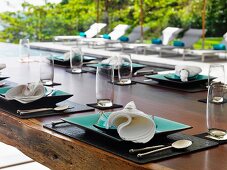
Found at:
[59, 152]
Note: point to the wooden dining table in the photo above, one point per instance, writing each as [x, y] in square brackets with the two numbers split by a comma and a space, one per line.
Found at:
[57, 151]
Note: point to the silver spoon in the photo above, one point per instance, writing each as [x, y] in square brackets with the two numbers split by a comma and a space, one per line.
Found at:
[179, 144]
[58, 108]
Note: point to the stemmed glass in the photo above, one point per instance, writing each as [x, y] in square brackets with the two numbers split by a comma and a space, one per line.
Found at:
[76, 60]
[216, 74]
[124, 69]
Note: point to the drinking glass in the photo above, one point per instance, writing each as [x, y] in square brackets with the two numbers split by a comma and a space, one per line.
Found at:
[46, 69]
[125, 69]
[104, 85]
[216, 74]
[76, 60]
[216, 111]
[24, 50]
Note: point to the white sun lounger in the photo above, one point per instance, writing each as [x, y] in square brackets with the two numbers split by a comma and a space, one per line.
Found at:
[117, 32]
[211, 53]
[91, 32]
[168, 34]
[189, 38]
[133, 37]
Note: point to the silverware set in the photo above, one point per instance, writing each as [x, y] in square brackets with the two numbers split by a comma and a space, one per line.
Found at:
[145, 149]
[144, 72]
[29, 111]
[91, 62]
[54, 123]
[179, 144]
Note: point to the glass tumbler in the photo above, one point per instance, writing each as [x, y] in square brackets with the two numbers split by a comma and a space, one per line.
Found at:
[216, 110]
[216, 74]
[76, 60]
[104, 85]
[24, 50]
[125, 69]
[46, 64]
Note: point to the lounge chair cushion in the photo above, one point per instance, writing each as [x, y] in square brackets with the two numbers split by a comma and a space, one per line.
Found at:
[82, 34]
[124, 39]
[106, 36]
[156, 41]
[178, 44]
[219, 47]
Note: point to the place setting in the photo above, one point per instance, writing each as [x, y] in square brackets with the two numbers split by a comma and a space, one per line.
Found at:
[64, 59]
[184, 78]
[123, 66]
[125, 70]
[36, 99]
[77, 60]
[131, 134]
[74, 60]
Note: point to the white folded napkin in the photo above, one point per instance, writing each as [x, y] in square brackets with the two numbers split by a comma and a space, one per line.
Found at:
[26, 93]
[132, 124]
[184, 71]
[115, 61]
[2, 66]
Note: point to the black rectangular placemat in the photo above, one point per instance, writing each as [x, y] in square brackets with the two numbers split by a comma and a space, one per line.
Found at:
[192, 89]
[53, 84]
[75, 108]
[90, 70]
[205, 101]
[3, 77]
[121, 148]
[120, 84]
[203, 136]
[115, 106]
[69, 70]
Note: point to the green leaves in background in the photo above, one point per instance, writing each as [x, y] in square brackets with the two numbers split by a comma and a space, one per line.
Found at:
[42, 23]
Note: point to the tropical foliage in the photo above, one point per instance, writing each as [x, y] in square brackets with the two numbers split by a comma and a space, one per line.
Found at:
[42, 23]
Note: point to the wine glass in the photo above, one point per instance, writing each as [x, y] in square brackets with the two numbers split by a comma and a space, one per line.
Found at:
[216, 74]
[216, 111]
[124, 69]
[76, 60]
